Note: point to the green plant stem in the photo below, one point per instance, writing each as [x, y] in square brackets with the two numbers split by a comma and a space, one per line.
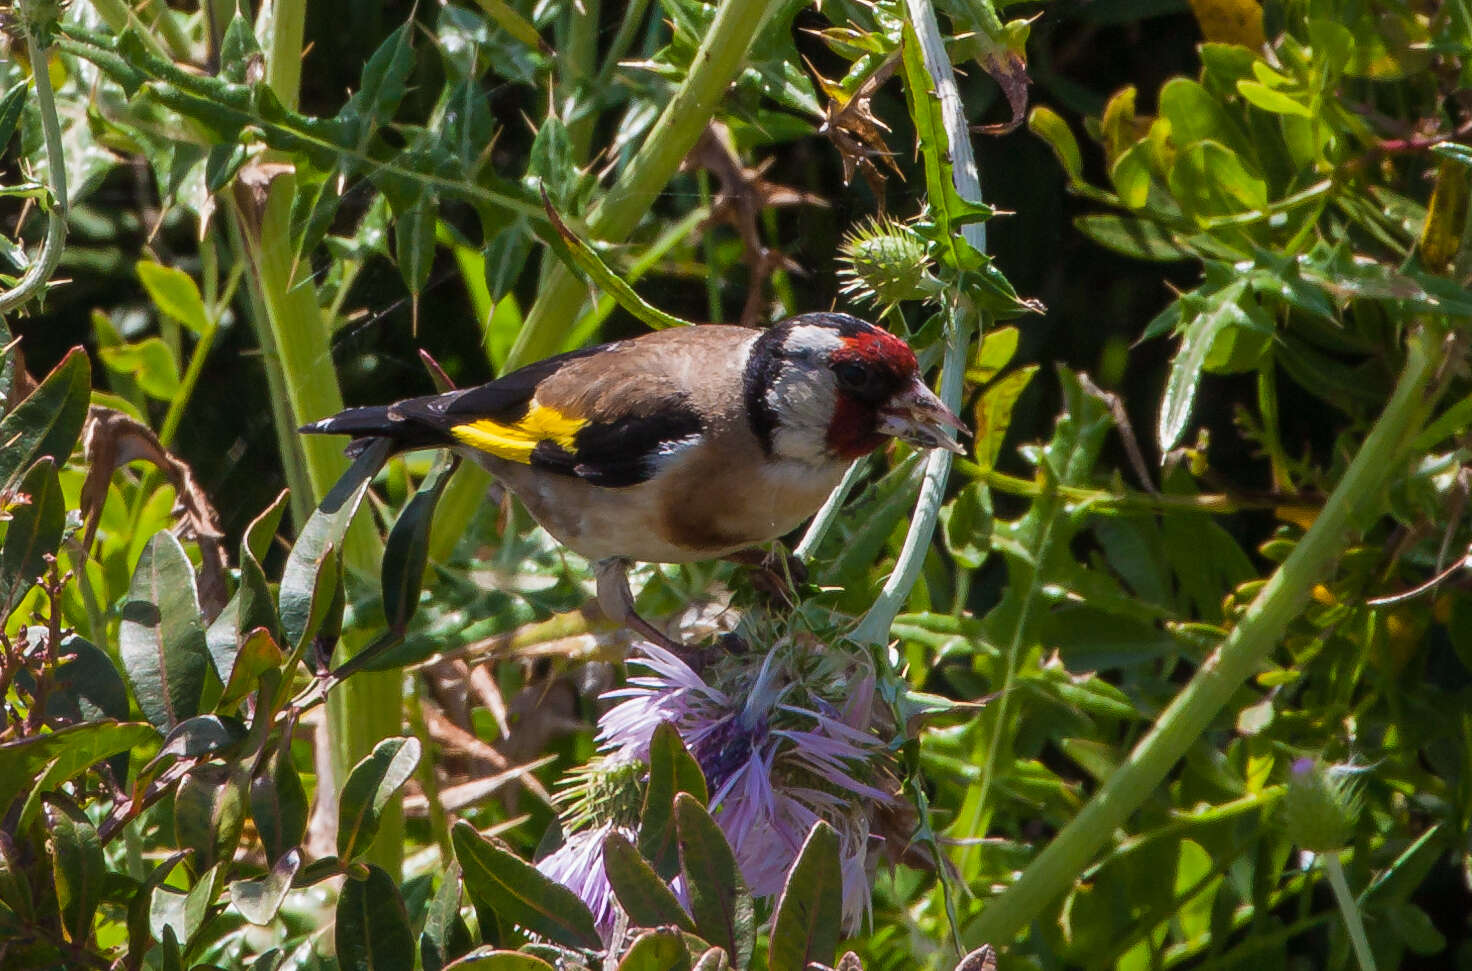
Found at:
[368, 707]
[578, 60]
[1279, 601]
[186, 385]
[716, 65]
[1354, 925]
[874, 628]
[34, 280]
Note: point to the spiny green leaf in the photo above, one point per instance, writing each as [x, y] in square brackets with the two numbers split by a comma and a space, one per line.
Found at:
[580, 258]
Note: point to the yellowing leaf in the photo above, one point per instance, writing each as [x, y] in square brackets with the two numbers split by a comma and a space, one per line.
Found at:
[994, 414]
[1230, 21]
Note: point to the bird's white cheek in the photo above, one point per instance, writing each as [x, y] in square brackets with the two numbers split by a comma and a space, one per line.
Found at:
[802, 399]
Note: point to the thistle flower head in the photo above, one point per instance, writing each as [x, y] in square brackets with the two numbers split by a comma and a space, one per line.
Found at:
[1320, 806]
[885, 262]
[784, 739]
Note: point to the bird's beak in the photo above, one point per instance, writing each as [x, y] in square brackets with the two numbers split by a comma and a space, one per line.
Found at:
[917, 416]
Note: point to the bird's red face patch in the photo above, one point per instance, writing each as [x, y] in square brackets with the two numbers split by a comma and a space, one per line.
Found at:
[878, 348]
[871, 367]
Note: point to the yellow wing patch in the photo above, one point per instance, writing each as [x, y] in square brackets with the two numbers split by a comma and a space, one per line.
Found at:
[516, 441]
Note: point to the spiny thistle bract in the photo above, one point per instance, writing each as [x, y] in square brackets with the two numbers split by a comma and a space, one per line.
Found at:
[886, 262]
[1320, 806]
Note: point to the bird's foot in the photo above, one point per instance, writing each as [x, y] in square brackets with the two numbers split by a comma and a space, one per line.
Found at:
[776, 575]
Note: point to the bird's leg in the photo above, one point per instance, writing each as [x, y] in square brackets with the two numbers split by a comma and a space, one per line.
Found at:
[617, 601]
[777, 574]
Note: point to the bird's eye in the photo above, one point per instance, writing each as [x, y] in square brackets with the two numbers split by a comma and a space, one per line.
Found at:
[850, 374]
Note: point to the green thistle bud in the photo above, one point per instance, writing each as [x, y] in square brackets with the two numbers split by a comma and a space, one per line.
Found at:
[886, 262]
[603, 791]
[1321, 806]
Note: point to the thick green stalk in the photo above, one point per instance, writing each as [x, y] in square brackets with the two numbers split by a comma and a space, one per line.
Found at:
[1281, 599]
[964, 320]
[368, 707]
[716, 65]
[38, 274]
[1349, 909]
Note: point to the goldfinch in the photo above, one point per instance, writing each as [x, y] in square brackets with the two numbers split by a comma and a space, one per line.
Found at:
[678, 445]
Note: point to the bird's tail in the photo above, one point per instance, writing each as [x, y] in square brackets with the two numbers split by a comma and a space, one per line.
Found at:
[367, 424]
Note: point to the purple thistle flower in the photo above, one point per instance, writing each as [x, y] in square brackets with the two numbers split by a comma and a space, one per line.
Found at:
[578, 865]
[773, 768]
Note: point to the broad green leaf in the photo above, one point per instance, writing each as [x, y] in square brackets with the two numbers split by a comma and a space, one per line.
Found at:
[370, 786]
[490, 959]
[406, 551]
[258, 900]
[209, 814]
[719, 902]
[1210, 180]
[648, 899]
[1048, 125]
[49, 420]
[1144, 239]
[302, 595]
[672, 770]
[278, 803]
[994, 414]
[175, 293]
[150, 362]
[202, 735]
[1130, 174]
[86, 684]
[715, 959]
[1195, 115]
[500, 882]
[373, 932]
[657, 950]
[809, 913]
[996, 351]
[1276, 102]
[257, 655]
[74, 748]
[34, 533]
[582, 260]
[184, 913]
[162, 634]
[77, 866]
